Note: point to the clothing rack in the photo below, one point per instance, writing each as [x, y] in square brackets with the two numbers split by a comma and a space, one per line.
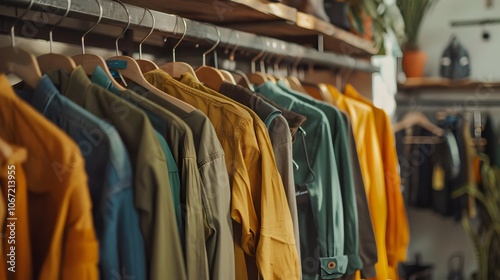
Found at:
[114, 14]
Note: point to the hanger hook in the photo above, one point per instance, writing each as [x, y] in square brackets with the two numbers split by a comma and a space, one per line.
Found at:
[262, 59]
[231, 55]
[213, 47]
[126, 28]
[57, 24]
[93, 26]
[295, 65]
[259, 55]
[12, 33]
[150, 32]
[182, 37]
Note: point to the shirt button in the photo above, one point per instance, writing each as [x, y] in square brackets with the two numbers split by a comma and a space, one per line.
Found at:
[332, 265]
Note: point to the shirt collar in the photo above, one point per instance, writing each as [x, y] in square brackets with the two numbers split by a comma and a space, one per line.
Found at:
[100, 78]
[266, 111]
[45, 92]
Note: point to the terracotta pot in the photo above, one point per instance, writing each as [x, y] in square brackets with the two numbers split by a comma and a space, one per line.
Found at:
[414, 62]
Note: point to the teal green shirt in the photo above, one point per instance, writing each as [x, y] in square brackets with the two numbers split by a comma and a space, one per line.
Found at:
[322, 223]
[341, 149]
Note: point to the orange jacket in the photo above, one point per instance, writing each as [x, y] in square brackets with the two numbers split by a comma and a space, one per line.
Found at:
[398, 233]
[61, 229]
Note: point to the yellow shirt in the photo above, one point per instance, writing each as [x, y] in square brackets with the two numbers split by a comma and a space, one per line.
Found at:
[263, 232]
[61, 228]
[370, 160]
[398, 233]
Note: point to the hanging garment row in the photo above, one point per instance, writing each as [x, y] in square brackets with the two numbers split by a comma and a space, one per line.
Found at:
[178, 173]
[440, 156]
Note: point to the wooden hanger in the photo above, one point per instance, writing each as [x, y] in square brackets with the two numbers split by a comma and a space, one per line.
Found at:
[413, 118]
[51, 61]
[176, 69]
[19, 62]
[228, 76]
[254, 77]
[133, 72]
[210, 76]
[319, 91]
[146, 65]
[90, 61]
[295, 84]
[244, 81]
[257, 78]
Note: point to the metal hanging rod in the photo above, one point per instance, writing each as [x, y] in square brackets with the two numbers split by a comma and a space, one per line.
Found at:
[114, 14]
[475, 22]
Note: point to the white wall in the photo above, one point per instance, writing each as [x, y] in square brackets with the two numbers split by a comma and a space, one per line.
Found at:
[436, 32]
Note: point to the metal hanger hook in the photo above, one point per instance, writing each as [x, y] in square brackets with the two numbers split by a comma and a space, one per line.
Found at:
[12, 33]
[213, 47]
[182, 37]
[263, 58]
[57, 24]
[93, 26]
[296, 63]
[125, 29]
[231, 55]
[236, 45]
[150, 32]
[259, 55]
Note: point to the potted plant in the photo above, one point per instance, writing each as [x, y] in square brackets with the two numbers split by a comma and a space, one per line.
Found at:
[372, 19]
[413, 12]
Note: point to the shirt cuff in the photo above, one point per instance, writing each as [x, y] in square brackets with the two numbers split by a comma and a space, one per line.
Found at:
[333, 267]
[354, 264]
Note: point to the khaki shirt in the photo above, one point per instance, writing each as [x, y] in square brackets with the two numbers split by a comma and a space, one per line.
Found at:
[180, 141]
[216, 192]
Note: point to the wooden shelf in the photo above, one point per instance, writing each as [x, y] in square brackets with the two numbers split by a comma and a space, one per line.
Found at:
[222, 11]
[305, 30]
[268, 19]
[437, 82]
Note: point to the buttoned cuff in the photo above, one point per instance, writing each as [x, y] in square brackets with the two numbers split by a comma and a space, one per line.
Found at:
[368, 271]
[333, 267]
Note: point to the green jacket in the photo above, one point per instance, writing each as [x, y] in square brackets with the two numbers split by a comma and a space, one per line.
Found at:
[321, 223]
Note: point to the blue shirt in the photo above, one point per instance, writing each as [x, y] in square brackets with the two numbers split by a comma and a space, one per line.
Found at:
[107, 164]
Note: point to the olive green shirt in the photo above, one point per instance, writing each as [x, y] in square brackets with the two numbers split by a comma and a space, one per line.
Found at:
[216, 192]
[180, 140]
